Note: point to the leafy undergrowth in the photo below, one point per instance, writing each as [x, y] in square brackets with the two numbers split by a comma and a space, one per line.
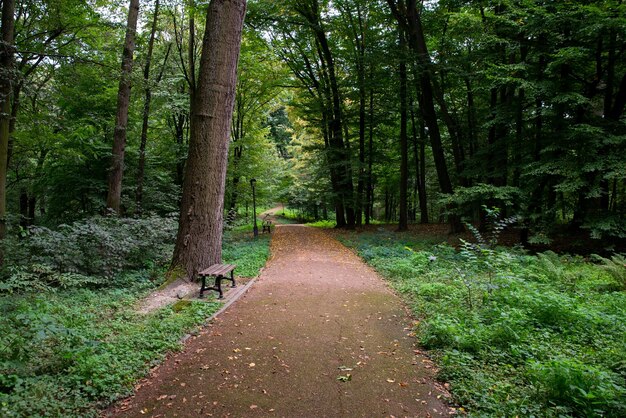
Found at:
[514, 334]
[75, 342]
[249, 254]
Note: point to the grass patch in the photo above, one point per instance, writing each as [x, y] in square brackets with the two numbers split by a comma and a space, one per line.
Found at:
[247, 252]
[514, 334]
[68, 351]
[323, 224]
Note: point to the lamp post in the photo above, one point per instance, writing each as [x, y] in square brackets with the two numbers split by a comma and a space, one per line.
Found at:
[256, 228]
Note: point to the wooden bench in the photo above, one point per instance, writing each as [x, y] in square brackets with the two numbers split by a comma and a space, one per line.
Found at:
[219, 272]
[267, 226]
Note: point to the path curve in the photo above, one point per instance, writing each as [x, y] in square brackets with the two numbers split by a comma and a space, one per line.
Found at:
[316, 311]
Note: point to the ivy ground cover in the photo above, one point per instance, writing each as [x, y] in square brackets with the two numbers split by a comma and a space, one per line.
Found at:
[76, 342]
[514, 334]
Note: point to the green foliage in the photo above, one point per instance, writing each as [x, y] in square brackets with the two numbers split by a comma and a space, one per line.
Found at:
[249, 254]
[88, 252]
[73, 340]
[70, 351]
[579, 387]
[515, 335]
[616, 267]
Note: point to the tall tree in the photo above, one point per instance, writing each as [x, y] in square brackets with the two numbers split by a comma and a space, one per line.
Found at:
[146, 107]
[199, 239]
[404, 145]
[409, 19]
[114, 196]
[6, 77]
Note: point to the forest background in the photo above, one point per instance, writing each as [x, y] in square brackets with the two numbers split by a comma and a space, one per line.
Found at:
[356, 112]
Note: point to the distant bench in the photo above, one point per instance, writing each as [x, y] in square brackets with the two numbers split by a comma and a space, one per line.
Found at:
[267, 226]
[219, 272]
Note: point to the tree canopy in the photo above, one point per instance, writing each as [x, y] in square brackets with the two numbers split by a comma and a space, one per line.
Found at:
[393, 111]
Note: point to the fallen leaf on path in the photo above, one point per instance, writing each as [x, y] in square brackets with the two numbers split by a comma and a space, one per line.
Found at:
[391, 381]
[161, 397]
[252, 365]
[253, 407]
[345, 378]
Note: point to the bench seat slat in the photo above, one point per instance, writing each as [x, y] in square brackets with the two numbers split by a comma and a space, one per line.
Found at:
[218, 270]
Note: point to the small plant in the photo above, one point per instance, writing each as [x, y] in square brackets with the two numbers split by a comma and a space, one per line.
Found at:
[481, 256]
[616, 268]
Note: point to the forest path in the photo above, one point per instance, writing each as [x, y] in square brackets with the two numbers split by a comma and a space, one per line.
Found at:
[316, 313]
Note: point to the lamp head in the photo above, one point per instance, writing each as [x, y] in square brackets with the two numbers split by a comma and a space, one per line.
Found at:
[252, 182]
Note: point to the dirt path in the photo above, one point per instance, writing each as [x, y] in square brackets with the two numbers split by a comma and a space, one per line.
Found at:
[316, 313]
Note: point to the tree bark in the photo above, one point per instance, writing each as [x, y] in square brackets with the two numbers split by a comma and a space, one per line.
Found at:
[199, 240]
[7, 51]
[114, 195]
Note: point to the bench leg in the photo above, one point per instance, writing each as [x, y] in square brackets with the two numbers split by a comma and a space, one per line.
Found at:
[218, 286]
[203, 288]
[232, 278]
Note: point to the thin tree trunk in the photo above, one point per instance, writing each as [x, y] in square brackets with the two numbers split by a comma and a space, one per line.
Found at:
[146, 112]
[411, 22]
[191, 52]
[199, 240]
[341, 152]
[420, 168]
[369, 187]
[114, 196]
[23, 207]
[404, 148]
[7, 51]
[32, 203]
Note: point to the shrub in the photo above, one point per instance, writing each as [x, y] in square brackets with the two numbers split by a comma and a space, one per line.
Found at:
[87, 252]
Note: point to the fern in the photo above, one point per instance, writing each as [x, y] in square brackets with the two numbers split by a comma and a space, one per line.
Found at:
[549, 265]
[616, 268]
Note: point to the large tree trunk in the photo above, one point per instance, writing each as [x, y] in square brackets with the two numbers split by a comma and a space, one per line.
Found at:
[6, 77]
[199, 240]
[114, 195]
